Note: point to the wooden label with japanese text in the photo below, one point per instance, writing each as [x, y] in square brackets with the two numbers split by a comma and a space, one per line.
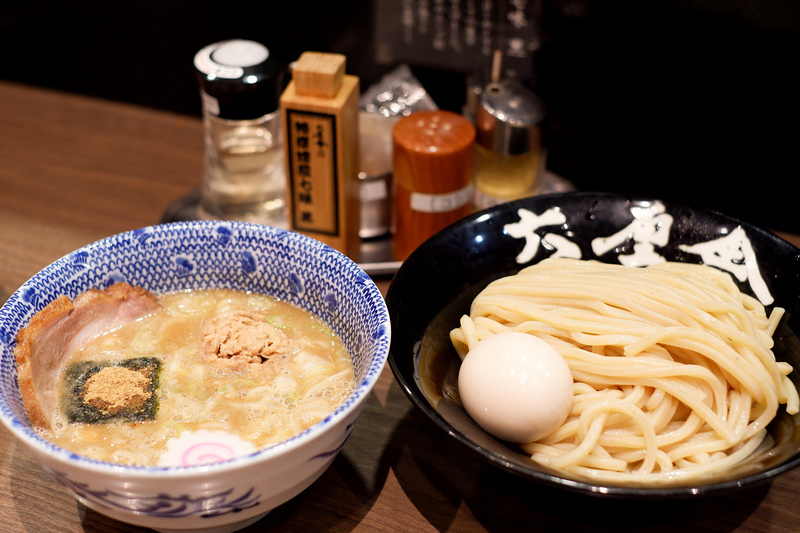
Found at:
[312, 163]
[319, 110]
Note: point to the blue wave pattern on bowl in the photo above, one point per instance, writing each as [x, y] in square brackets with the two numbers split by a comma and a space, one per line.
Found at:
[164, 505]
[206, 254]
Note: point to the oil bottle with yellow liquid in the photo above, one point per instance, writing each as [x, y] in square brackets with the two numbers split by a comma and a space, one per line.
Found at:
[509, 156]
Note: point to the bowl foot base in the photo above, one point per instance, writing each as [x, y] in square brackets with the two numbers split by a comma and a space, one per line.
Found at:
[228, 528]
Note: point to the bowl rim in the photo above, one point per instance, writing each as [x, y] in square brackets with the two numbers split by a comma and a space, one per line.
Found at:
[533, 472]
[22, 429]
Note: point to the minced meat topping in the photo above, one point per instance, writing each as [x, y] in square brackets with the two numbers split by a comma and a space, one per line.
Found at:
[244, 338]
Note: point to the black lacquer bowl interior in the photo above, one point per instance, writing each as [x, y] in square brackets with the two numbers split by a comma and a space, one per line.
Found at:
[436, 284]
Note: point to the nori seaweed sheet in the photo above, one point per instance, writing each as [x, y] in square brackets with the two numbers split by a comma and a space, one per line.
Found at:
[76, 376]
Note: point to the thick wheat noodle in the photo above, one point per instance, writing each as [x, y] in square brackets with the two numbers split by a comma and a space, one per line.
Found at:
[673, 369]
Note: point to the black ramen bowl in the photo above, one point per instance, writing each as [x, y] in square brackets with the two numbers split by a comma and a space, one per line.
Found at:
[437, 283]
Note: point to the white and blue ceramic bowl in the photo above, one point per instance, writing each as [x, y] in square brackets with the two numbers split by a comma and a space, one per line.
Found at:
[194, 255]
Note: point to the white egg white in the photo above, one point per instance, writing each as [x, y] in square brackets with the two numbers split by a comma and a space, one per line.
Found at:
[516, 386]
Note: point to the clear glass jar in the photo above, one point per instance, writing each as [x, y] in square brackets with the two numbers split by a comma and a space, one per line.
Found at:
[245, 176]
[245, 172]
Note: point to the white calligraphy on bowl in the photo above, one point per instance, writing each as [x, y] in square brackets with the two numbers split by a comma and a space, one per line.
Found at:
[526, 229]
[649, 230]
[733, 253]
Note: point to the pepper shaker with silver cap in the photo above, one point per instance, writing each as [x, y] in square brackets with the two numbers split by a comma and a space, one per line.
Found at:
[509, 156]
[240, 86]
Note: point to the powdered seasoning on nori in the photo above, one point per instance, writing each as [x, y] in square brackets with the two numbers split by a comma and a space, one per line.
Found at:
[78, 410]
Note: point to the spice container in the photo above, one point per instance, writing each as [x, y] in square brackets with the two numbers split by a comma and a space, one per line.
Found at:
[375, 174]
[509, 157]
[433, 170]
[320, 108]
[240, 83]
[397, 94]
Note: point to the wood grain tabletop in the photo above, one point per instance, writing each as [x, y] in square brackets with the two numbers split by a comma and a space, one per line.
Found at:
[75, 169]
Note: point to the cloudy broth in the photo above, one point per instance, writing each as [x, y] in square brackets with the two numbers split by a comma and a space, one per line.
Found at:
[261, 402]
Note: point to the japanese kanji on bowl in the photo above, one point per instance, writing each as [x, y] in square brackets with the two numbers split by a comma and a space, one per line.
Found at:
[437, 283]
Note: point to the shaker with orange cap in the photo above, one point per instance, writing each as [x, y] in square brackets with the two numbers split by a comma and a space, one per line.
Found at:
[433, 168]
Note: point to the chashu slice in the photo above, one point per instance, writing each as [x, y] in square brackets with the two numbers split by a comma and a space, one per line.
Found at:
[61, 328]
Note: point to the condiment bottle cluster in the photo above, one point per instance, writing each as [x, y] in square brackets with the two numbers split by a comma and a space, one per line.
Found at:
[293, 154]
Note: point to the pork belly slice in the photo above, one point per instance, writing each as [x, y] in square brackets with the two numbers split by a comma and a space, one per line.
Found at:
[62, 328]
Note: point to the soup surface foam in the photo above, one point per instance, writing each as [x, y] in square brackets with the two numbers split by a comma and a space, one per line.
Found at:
[247, 368]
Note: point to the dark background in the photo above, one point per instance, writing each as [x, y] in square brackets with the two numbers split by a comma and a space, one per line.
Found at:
[689, 101]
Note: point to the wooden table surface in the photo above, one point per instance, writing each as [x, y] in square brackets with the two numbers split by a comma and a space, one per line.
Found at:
[74, 170]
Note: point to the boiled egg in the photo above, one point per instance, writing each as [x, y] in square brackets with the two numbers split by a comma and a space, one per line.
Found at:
[515, 386]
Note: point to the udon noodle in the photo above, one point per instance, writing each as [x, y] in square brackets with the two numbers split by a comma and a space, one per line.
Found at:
[673, 369]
